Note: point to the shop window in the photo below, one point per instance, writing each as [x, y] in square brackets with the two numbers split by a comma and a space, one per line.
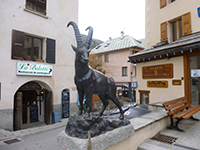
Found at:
[124, 71]
[25, 47]
[144, 96]
[106, 57]
[38, 6]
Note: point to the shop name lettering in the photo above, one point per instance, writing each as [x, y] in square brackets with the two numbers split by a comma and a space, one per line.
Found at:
[160, 71]
[33, 67]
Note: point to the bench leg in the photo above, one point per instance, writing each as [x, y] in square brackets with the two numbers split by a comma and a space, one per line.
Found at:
[175, 127]
[172, 124]
[194, 118]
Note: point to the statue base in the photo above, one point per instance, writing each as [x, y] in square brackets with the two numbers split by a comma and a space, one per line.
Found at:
[99, 142]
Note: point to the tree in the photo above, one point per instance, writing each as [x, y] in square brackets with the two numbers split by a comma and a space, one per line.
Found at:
[95, 61]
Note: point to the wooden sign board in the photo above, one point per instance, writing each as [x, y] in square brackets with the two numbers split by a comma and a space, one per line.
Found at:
[176, 82]
[157, 84]
[157, 71]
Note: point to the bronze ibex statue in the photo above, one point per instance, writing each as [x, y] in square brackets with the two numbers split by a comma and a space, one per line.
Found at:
[88, 80]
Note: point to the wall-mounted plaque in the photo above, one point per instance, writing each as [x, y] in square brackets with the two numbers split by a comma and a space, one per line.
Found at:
[176, 82]
[157, 84]
[157, 71]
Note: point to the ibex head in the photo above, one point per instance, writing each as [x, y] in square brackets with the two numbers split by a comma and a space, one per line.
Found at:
[82, 51]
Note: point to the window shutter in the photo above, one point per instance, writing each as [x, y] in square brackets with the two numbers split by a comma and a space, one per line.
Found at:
[17, 45]
[162, 3]
[163, 32]
[41, 6]
[51, 51]
[186, 24]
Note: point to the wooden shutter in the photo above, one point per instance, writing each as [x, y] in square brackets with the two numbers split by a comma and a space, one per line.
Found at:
[17, 45]
[186, 24]
[41, 6]
[51, 51]
[163, 32]
[162, 3]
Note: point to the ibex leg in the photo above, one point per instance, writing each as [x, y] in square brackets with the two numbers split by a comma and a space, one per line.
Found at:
[81, 96]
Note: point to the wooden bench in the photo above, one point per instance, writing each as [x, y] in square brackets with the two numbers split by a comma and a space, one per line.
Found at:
[179, 109]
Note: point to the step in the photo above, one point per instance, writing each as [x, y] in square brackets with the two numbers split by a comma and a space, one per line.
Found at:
[148, 146]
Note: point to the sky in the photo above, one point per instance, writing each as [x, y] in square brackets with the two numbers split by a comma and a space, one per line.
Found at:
[109, 17]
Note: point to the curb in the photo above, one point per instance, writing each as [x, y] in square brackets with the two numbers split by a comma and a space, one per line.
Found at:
[5, 135]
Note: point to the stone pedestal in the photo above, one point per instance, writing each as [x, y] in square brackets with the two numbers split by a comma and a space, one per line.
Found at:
[100, 142]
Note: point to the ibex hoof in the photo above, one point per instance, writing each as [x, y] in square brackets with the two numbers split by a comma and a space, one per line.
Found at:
[121, 117]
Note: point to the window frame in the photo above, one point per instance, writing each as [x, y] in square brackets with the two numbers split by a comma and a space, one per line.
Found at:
[178, 34]
[37, 6]
[32, 48]
[106, 57]
[143, 92]
[124, 71]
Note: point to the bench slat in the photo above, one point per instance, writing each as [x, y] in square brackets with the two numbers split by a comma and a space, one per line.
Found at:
[180, 115]
[178, 104]
[191, 113]
[173, 111]
[173, 101]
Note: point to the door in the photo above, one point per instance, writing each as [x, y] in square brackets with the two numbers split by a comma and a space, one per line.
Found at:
[48, 107]
[195, 79]
[30, 107]
[18, 111]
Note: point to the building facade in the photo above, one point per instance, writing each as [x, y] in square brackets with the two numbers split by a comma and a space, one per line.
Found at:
[168, 68]
[114, 57]
[37, 62]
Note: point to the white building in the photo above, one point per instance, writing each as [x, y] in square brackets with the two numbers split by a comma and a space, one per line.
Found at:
[37, 61]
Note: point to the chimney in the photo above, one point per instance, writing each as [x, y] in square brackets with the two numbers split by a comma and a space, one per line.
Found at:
[110, 38]
[122, 34]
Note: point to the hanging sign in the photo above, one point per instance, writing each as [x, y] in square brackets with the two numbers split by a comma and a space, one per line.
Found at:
[34, 69]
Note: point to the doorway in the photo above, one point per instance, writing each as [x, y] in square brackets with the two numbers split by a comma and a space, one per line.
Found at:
[195, 79]
[32, 106]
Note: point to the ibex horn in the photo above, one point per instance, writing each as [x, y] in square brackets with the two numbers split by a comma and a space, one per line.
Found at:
[89, 37]
[77, 34]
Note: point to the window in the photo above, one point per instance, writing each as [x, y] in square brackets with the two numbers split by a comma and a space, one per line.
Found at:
[144, 96]
[106, 57]
[32, 48]
[26, 47]
[179, 27]
[37, 6]
[134, 51]
[176, 29]
[124, 71]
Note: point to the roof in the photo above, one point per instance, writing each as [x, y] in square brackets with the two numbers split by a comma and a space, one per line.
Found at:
[117, 44]
[184, 43]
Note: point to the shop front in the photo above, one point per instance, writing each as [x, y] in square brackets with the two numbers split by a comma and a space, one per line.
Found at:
[169, 70]
[32, 103]
[33, 99]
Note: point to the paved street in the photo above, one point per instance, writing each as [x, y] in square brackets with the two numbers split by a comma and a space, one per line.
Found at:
[46, 140]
